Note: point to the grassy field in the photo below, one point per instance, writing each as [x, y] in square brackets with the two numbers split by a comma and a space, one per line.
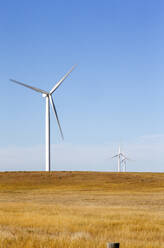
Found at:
[81, 209]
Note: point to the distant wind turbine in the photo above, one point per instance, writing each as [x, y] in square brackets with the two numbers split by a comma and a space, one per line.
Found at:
[124, 164]
[124, 161]
[48, 98]
[120, 157]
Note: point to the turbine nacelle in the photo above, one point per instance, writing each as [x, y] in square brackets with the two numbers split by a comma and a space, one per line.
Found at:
[44, 95]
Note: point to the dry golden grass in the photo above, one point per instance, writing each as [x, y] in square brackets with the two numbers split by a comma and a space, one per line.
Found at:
[81, 209]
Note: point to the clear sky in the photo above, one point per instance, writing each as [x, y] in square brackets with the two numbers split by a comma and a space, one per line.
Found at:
[114, 96]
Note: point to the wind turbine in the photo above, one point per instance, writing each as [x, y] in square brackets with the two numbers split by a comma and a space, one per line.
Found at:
[49, 100]
[120, 156]
[124, 160]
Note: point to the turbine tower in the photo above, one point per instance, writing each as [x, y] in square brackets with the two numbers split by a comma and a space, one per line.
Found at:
[49, 100]
[120, 158]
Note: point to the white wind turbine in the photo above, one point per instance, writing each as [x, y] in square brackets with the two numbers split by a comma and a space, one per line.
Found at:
[124, 160]
[120, 157]
[48, 97]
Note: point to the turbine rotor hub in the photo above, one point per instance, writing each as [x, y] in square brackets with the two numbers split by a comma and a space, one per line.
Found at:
[44, 95]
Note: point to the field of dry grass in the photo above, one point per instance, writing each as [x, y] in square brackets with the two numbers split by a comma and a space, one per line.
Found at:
[81, 209]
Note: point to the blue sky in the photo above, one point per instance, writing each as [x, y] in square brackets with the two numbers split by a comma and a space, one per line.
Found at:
[114, 96]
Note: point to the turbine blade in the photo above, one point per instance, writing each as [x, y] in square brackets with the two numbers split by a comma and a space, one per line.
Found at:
[115, 156]
[123, 155]
[61, 80]
[125, 158]
[28, 86]
[55, 112]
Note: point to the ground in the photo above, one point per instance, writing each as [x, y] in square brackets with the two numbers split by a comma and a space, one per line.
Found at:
[81, 209]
